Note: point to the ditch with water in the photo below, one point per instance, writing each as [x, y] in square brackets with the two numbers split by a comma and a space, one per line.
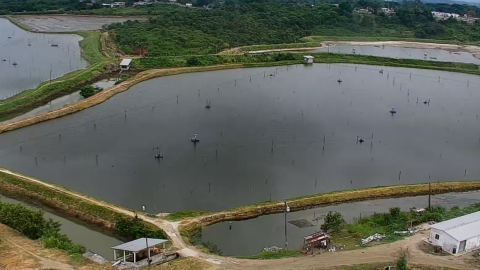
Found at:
[94, 241]
[267, 231]
[313, 122]
[403, 53]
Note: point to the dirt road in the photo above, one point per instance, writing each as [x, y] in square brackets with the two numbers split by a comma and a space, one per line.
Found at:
[376, 254]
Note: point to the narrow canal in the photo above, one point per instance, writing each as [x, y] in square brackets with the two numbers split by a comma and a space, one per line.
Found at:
[94, 241]
[267, 231]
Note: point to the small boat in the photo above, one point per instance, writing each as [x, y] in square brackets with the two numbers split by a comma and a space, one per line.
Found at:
[433, 58]
[14, 63]
[339, 81]
[29, 44]
[425, 102]
[361, 141]
[392, 111]
[207, 105]
[195, 139]
[54, 45]
[4, 60]
[377, 46]
[158, 156]
[9, 37]
[381, 71]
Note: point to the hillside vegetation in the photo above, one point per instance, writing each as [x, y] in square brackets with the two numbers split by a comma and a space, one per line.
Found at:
[174, 30]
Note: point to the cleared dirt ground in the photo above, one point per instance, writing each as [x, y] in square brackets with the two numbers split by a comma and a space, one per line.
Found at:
[64, 23]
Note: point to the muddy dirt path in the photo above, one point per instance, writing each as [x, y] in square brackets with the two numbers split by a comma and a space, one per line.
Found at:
[376, 254]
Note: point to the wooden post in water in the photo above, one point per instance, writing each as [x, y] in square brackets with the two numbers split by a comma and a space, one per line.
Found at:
[316, 179]
[96, 159]
[209, 186]
[399, 175]
[465, 174]
[36, 163]
[429, 195]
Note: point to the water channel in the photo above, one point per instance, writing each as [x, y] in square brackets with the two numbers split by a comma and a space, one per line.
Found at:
[108, 150]
[94, 241]
[403, 53]
[61, 101]
[27, 59]
[267, 231]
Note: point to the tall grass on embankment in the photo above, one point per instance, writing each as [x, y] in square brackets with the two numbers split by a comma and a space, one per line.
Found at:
[190, 227]
[285, 58]
[94, 215]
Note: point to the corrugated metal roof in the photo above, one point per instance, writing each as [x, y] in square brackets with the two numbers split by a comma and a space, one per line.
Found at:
[461, 228]
[139, 244]
[125, 62]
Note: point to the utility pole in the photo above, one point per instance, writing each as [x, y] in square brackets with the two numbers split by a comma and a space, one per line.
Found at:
[287, 209]
[429, 195]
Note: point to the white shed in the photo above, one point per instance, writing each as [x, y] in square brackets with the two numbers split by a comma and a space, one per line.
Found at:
[308, 59]
[125, 64]
[458, 235]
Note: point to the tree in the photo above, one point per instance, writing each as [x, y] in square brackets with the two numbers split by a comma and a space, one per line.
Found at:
[87, 91]
[333, 222]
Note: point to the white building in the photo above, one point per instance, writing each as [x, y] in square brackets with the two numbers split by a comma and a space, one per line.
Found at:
[125, 64]
[188, 4]
[387, 11]
[444, 15]
[458, 235]
[308, 59]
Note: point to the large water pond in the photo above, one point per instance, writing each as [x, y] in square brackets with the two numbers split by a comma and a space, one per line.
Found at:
[404, 53]
[108, 150]
[35, 58]
[267, 231]
[94, 241]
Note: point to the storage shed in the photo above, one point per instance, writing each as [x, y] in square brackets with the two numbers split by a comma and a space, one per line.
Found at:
[458, 235]
[125, 64]
[308, 59]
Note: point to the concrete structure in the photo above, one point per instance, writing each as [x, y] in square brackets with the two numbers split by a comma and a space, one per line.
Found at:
[140, 249]
[458, 235]
[387, 11]
[188, 4]
[118, 4]
[125, 64]
[444, 15]
[308, 59]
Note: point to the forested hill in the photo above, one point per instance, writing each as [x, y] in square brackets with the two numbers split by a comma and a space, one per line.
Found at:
[175, 30]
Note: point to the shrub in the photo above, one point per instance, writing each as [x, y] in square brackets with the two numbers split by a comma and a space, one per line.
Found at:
[134, 228]
[333, 222]
[87, 91]
[395, 211]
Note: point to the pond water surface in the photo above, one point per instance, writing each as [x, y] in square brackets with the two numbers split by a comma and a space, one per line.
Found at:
[108, 150]
[267, 231]
[35, 57]
[403, 53]
[94, 241]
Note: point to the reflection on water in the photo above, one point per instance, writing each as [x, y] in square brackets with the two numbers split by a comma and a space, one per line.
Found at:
[267, 231]
[27, 59]
[92, 240]
[108, 150]
[403, 53]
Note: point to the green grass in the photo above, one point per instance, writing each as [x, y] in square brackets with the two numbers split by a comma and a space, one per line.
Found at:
[270, 255]
[184, 214]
